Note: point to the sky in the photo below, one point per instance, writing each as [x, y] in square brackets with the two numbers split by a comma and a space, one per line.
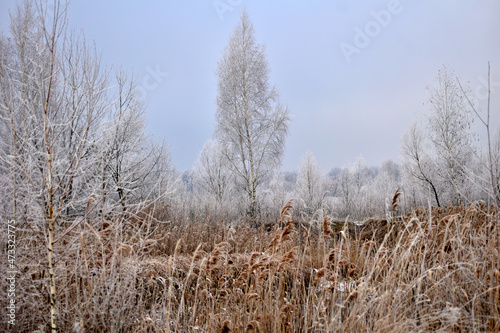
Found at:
[354, 74]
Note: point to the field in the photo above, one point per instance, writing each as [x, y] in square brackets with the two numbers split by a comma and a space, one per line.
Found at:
[418, 272]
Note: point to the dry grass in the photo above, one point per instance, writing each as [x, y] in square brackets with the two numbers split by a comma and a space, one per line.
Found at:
[415, 273]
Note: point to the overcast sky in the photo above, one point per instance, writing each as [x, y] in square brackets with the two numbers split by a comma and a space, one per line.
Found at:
[353, 73]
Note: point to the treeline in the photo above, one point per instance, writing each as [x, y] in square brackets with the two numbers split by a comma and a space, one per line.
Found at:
[449, 157]
[355, 190]
[74, 144]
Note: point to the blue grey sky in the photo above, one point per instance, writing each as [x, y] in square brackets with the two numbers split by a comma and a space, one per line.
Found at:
[353, 73]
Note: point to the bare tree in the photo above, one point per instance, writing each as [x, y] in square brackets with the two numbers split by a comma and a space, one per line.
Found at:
[383, 187]
[311, 185]
[392, 169]
[495, 167]
[441, 159]
[211, 173]
[123, 141]
[449, 126]
[131, 164]
[418, 164]
[53, 97]
[351, 186]
[493, 157]
[18, 67]
[275, 195]
[251, 123]
[56, 155]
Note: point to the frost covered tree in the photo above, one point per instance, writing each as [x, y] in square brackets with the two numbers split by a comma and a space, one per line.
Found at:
[55, 153]
[418, 164]
[251, 123]
[52, 97]
[449, 125]
[384, 185]
[489, 180]
[133, 167]
[278, 194]
[351, 187]
[439, 159]
[211, 173]
[495, 166]
[311, 185]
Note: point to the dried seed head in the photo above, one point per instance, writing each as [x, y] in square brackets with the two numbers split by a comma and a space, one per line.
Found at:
[225, 327]
[198, 254]
[253, 257]
[286, 232]
[395, 200]
[286, 309]
[320, 273]
[263, 275]
[275, 240]
[352, 296]
[203, 294]
[285, 212]
[254, 326]
[125, 250]
[326, 226]
[331, 255]
[242, 278]
[307, 235]
[256, 266]
[289, 257]
[252, 296]
[222, 294]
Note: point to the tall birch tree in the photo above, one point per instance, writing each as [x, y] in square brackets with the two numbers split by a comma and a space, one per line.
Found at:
[251, 122]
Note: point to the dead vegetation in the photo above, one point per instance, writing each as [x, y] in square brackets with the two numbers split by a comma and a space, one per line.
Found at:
[425, 271]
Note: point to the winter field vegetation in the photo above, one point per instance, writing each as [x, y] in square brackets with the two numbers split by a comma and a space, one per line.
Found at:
[103, 234]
